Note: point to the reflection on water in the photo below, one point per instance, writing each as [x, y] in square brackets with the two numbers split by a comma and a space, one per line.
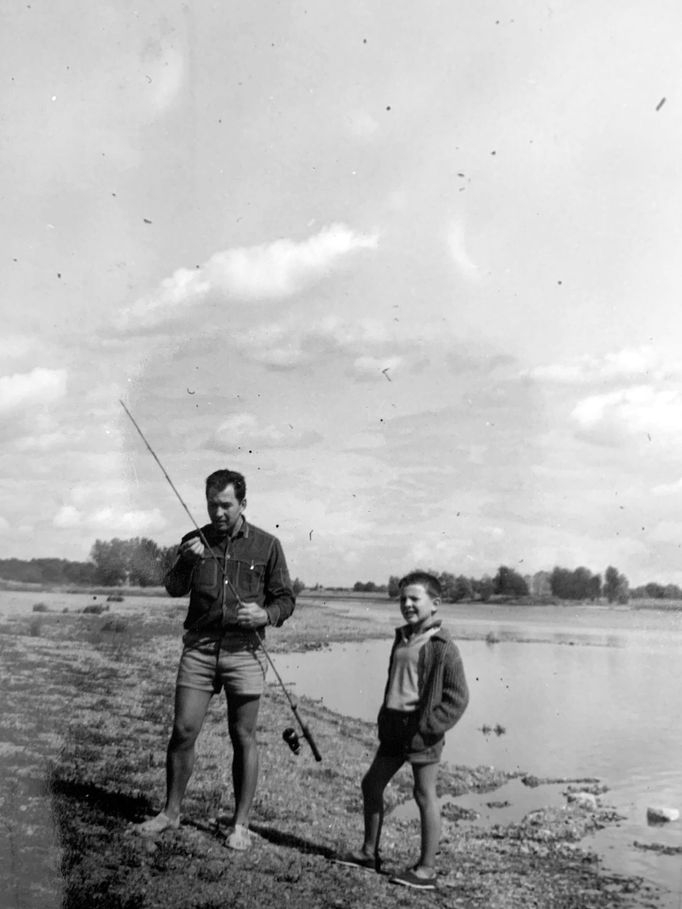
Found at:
[609, 710]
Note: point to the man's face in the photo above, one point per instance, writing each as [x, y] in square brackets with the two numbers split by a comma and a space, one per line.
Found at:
[224, 509]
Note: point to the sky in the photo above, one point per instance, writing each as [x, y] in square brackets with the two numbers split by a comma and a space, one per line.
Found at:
[411, 268]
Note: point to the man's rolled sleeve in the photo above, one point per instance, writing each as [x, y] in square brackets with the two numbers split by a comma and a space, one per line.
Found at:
[279, 594]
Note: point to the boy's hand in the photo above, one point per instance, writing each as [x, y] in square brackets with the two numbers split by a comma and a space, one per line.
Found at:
[251, 615]
[191, 550]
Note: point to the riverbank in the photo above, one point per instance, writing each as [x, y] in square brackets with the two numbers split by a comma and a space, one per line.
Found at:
[87, 711]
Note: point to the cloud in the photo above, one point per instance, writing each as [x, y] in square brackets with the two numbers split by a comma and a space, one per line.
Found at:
[40, 386]
[457, 247]
[370, 368]
[666, 489]
[242, 431]
[294, 341]
[637, 410]
[13, 347]
[362, 125]
[632, 364]
[270, 271]
[110, 520]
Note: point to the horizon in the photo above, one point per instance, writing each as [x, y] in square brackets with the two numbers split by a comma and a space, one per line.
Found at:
[409, 270]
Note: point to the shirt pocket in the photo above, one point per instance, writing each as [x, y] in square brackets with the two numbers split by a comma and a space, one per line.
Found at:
[206, 576]
[250, 577]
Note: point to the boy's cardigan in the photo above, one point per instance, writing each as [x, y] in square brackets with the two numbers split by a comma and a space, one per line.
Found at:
[443, 691]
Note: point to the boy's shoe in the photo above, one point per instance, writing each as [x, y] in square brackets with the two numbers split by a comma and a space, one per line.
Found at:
[410, 878]
[157, 824]
[359, 860]
[238, 838]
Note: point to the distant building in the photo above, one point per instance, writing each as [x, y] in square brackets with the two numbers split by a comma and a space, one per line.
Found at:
[540, 585]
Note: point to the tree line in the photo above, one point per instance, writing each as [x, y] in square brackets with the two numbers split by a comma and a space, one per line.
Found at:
[137, 562]
[141, 562]
[561, 583]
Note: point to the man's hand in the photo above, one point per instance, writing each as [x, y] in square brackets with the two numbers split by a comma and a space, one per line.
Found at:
[251, 615]
[191, 550]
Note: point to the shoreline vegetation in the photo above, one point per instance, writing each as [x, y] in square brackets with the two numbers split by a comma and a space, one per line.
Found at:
[87, 712]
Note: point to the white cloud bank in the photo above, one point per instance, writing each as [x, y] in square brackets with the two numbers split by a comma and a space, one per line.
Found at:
[268, 271]
[243, 431]
[39, 386]
[637, 410]
[110, 520]
[632, 364]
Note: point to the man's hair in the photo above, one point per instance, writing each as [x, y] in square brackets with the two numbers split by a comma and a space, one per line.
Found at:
[428, 581]
[221, 479]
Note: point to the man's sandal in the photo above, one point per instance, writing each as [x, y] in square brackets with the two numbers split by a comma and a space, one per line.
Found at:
[155, 825]
[238, 838]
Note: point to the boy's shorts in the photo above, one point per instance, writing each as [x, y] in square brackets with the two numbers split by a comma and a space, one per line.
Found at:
[235, 663]
[398, 737]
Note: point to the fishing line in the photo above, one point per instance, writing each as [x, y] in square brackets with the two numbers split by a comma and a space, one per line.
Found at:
[291, 740]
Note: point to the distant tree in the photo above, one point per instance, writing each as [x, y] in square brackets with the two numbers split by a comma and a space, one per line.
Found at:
[508, 582]
[447, 583]
[110, 560]
[655, 591]
[298, 585]
[594, 587]
[579, 584]
[483, 588]
[365, 587]
[144, 562]
[463, 589]
[393, 589]
[672, 592]
[616, 587]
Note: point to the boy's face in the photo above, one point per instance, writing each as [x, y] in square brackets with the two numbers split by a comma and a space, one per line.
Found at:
[416, 605]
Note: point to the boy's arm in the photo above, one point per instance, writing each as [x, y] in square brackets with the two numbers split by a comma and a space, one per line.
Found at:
[455, 696]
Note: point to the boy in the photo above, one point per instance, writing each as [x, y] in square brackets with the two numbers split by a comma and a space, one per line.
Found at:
[426, 694]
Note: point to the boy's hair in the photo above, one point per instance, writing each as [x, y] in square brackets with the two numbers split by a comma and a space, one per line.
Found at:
[221, 479]
[428, 581]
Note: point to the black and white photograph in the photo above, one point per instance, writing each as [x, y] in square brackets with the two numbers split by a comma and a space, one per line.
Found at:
[340, 485]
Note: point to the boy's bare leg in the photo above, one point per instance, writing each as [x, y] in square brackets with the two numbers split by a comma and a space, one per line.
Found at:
[382, 769]
[190, 709]
[242, 717]
[429, 812]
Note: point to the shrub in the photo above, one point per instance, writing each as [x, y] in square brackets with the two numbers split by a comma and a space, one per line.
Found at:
[115, 598]
[40, 607]
[95, 609]
[116, 625]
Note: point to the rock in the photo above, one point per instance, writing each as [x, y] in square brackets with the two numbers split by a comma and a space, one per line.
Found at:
[584, 799]
[658, 815]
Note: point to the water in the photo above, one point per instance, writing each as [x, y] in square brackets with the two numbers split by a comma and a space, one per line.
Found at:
[602, 703]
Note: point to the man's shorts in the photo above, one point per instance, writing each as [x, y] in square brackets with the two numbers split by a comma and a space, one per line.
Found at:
[399, 737]
[235, 663]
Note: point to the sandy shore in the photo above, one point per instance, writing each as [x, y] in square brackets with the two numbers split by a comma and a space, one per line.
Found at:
[87, 711]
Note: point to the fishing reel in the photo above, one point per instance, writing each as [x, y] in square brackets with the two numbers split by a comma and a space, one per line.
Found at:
[290, 736]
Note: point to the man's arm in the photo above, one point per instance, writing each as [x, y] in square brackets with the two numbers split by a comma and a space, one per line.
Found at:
[279, 594]
[178, 578]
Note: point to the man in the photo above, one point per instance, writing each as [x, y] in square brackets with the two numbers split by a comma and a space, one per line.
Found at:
[237, 586]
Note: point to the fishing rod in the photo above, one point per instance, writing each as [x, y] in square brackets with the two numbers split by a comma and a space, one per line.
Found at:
[289, 734]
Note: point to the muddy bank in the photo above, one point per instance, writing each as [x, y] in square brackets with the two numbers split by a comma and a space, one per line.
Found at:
[86, 715]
